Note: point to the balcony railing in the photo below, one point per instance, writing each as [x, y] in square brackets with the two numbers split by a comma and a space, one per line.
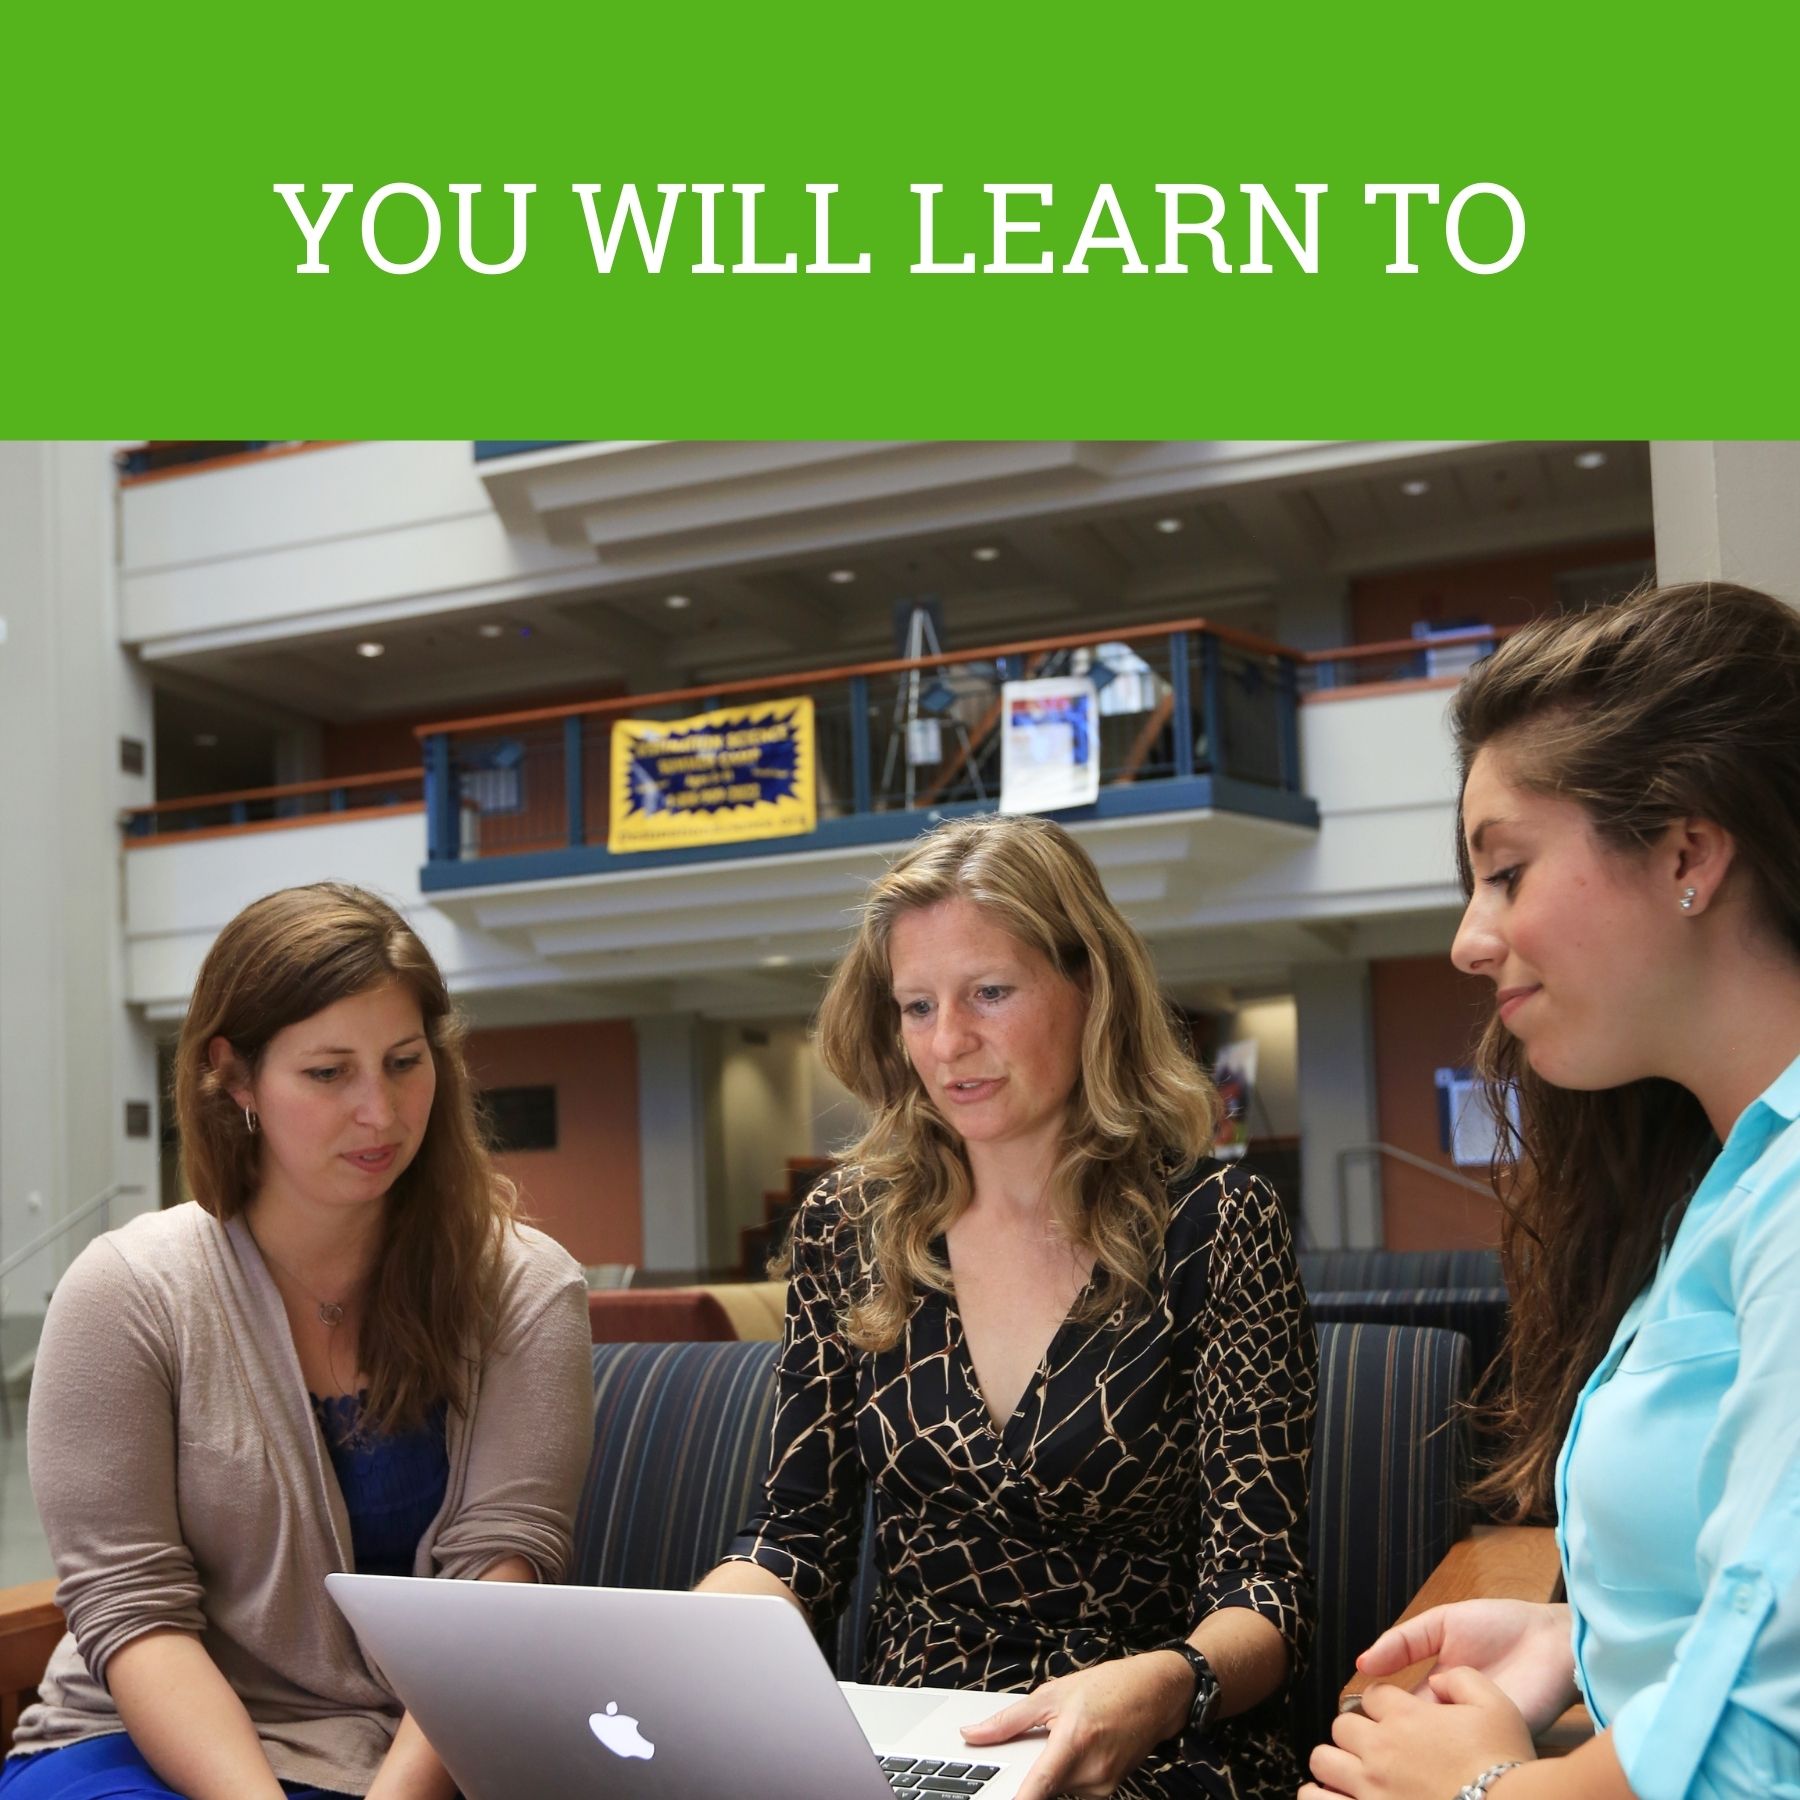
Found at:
[1435, 659]
[168, 459]
[1192, 715]
[272, 808]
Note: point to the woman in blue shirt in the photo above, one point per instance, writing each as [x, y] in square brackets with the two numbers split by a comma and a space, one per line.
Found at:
[1631, 849]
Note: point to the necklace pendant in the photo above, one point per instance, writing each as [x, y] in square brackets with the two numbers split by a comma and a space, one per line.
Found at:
[330, 1313]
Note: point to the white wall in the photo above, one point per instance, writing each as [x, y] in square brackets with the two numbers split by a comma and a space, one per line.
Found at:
[357, 529]
[179, 894]
[771, 1101]
[1274, 1027]
[70, 1053]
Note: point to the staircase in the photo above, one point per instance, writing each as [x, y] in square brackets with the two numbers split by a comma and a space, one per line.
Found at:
[758, 1243]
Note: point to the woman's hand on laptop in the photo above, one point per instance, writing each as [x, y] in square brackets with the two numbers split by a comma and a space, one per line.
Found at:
[1102, 1722]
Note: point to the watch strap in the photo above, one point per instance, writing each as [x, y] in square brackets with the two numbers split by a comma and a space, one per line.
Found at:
[1204, 1708]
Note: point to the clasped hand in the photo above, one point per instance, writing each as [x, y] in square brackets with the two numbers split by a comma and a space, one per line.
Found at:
[1101, 1723]
[1504, 1671]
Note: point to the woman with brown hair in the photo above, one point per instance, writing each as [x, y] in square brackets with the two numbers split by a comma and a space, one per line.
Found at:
[345, 1353]
[1072, 1358]
[1632, 856]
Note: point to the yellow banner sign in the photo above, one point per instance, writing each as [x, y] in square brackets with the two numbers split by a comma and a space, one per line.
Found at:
[717, 778]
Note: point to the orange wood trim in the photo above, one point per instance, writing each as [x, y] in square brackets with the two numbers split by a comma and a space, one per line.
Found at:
[241, 460]
[984, 729]
[1413, 684]
[778, 686]
[256, 825]
[193, 802]
[1494, 1562]
[31, 1626]
[1470, 634]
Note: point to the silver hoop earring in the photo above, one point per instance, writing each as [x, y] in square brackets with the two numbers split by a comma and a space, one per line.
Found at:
[252, 1123]
[1687, 899]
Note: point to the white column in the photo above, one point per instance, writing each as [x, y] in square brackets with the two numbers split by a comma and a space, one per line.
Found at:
[1337, 1105]
[1728, 512]
[70, 1054]
[672, 1141]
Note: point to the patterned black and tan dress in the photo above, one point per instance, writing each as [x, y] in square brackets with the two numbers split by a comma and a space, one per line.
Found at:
[1154, 1470]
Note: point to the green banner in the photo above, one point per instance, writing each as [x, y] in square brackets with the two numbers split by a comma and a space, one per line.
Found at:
[937, 221]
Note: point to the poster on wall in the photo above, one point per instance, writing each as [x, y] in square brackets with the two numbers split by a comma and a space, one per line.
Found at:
[1049, 749]
[721, 777]
[1234, 1075]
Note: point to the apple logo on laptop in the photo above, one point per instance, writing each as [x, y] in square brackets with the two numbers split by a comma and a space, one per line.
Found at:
[619, 1733]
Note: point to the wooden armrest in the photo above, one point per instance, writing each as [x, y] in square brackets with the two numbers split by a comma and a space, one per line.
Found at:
[1495, 1562]
[31, 1626]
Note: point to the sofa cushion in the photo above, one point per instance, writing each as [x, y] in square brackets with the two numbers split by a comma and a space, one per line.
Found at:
[1340, 1271]
[1390, 1465]
[681, 1442]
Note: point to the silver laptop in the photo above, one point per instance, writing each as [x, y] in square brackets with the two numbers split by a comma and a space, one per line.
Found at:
[563, 1693]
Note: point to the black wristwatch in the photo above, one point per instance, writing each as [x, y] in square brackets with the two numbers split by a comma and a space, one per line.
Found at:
[1205, 1708]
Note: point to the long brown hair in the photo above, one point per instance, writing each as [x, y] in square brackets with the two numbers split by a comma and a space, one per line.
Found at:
[1677, 702]
[1140, 1098]
[430, 1301]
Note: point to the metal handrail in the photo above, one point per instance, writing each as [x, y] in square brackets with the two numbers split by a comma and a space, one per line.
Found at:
[44, 1239]
[1405, 1156]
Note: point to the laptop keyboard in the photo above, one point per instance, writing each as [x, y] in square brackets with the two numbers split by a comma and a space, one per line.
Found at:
[921, 1775]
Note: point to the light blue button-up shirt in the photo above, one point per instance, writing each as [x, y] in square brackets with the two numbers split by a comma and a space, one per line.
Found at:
[1678, 1490]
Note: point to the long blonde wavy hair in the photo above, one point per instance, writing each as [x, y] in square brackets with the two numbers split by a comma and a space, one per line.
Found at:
[1140, 1104]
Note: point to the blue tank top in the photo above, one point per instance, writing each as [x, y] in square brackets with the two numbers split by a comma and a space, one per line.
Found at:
[393, 1486]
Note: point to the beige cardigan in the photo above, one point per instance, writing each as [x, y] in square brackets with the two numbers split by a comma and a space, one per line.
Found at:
[183, 1481]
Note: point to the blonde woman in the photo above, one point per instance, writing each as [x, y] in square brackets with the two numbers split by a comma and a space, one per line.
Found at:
[343, 1354]
[1072, 1357]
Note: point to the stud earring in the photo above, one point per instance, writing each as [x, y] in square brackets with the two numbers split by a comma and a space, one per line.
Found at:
[1687, 899]
[252, 1123]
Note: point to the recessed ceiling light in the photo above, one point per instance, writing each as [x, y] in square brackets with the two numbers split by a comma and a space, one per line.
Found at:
[985, 553]
[1168, 526]
[206, 740]
[491, 629]
[1591, 459]
[1414, 488]
[371, 649]
[776, 962]
[841, 576]
[677, 602]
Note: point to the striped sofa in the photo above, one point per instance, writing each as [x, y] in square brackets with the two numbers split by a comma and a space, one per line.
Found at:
[681, 1443]
[1333, 1271]
[1445, 1290]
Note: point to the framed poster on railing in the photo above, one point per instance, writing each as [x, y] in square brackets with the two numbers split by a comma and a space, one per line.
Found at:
[720, 777]
[1049, 745]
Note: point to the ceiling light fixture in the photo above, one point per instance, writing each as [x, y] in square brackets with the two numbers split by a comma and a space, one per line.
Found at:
[491, 630]
[985, 553]
[1591, 459]
[1414, 488]
[841, 576]
[206, 740]
[776, 962]
[677, 602]
[371, 649]
[1168, 526]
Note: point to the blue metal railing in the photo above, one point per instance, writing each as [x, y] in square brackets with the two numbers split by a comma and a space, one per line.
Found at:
[1192, 716]
[298, 802]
